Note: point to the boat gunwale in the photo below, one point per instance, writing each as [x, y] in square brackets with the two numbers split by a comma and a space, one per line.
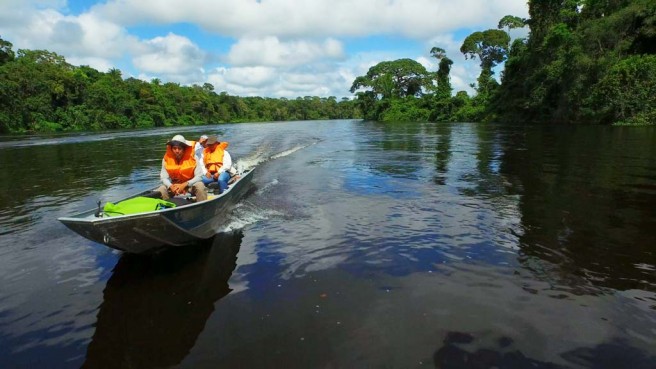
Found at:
[88, 217]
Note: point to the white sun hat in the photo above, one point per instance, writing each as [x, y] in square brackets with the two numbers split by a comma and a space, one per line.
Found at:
[179, 139]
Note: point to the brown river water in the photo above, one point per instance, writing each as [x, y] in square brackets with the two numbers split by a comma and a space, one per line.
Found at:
[362, 245]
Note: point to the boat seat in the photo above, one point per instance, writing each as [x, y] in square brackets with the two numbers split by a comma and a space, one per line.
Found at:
[177, 200]
[153, 195]
[181, 201]
[213, 188]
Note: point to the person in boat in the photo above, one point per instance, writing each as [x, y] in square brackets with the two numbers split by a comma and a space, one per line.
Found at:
[182, 170]
[200, 146]
[198, 149]
[218, 163]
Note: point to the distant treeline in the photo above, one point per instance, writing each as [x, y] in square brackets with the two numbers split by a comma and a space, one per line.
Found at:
[584, 61]
[40, 92]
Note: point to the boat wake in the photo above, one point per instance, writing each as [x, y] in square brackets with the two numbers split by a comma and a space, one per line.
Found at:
[262, 155]
[261, 206]
[289, 152]
[245, 214]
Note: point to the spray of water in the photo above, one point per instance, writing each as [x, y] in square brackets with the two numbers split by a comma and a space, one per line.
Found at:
[260, 156]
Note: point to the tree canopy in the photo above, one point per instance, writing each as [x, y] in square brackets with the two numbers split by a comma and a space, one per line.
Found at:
[398, 78]
[577, 56]
[40, 91]
[584, 61]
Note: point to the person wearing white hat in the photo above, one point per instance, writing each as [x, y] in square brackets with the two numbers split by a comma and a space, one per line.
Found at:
[199, 147]
[181, 172]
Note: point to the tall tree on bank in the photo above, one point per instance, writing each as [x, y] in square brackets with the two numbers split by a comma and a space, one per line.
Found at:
[511, 22]
[390, 79]
[491, 48]
[391, 87]
[440, 104]
[444, 89]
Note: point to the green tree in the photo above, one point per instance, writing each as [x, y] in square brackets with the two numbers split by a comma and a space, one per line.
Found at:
[398, 78]
[6, 53]
[627, 93]
[443, 78]
[511, 22]
[491, 48]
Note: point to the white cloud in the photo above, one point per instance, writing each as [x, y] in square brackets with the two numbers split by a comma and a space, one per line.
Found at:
[82, 39]
[251, 76]
[270, 51]
[269, 81]
[293, 18]
[99, 64]
[168, 55]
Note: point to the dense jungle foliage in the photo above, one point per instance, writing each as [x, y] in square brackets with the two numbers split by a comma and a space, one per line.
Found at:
[584, 61]
[40, 91]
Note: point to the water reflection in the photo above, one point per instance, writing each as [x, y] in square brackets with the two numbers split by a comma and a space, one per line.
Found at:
[154, 308]
[463, 351]
[50, 176]
[586, 206]
[443, 153]
[456, 353]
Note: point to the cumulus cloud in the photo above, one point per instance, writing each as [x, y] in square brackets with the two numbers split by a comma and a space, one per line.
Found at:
[171, 54]
[281, 82]
[84, 38]
[293, 18]
[270, 51]
[251, 76]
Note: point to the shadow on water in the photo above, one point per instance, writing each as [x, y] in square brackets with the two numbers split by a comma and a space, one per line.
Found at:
[462, 351]
[155, 307]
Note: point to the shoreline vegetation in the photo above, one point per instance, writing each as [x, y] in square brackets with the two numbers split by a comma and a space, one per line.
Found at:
[583, 62]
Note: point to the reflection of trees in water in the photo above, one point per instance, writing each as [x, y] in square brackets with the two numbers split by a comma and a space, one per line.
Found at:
[483, 179]
[584, 206]
[155, 307]
[443, 152]
[405, 140]
[75, 168]
[461, 351]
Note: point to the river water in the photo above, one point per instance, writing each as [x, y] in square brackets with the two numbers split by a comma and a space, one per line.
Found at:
[362, 245]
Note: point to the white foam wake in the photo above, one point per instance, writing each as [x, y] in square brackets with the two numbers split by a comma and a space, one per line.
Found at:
[260, 156]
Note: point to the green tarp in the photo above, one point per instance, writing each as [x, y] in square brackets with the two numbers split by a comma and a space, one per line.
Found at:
[136, 205]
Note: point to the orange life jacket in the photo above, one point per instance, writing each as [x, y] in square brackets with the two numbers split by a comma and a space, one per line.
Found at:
[184, 170]
[214, 159]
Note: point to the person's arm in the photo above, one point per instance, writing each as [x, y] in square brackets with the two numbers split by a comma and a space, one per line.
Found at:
[164, 175]
[199, 158]
[227, 163]
[198, 174]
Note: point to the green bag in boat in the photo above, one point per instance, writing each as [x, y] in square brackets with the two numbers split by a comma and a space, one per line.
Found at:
[136, 205]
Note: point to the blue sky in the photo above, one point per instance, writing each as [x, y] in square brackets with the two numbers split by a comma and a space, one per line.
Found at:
[272, 48]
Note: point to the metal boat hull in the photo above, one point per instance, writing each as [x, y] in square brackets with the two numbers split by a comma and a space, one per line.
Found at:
[146, 232]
